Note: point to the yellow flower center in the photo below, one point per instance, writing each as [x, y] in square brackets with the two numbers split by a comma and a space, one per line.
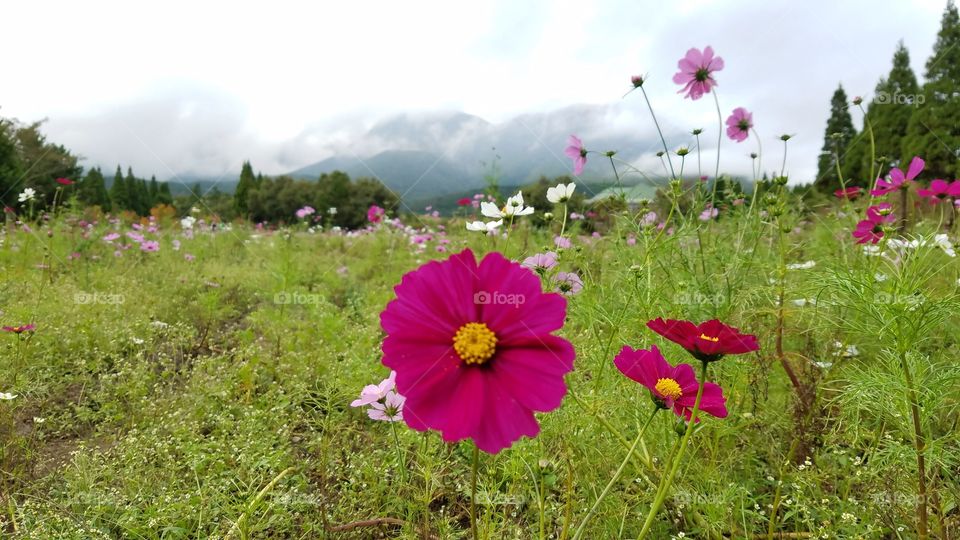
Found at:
[475, 343]
[709, 338]
[668, 388]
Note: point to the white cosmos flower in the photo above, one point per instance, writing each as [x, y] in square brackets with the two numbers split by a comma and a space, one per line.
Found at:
[6, 396]
[27, 195]
[187, 222]
[943, 242]
[561, 193]
[484, 227]
[802, 266]
[514, 207]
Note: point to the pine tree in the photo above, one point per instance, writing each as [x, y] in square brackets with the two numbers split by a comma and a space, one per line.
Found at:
[838, 136]
[9, 163]
[934, 129]
[242, 194]
[92, 190]
[118, 192]
[154, 197]
[133, 192]
[165, 196]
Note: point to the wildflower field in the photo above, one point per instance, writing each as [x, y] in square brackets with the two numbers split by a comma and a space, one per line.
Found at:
[715, 363]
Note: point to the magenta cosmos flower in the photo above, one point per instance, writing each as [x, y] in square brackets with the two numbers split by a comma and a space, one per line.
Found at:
[20, 328]
[577, 153]
[670, 387]
[375, 214]
[871, 229]
[739, 124]
[470, 368]
[940, 190]
[898, 179]
[850, 193]
[709, 341]
[696, 72]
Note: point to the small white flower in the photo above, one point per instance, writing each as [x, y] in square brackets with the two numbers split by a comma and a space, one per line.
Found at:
[514, 207]
[6, 396]
[484, 227]
[800, 302]
[802, 266]
[943, 242]
[561, 193]
[332, 211]
[27, 195]
[187, 222]
[880, 277]
[38, 420]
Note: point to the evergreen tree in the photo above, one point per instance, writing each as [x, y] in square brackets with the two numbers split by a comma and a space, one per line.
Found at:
[934, 129]
[9, 163]
[154, 197]
[242, 194]
[165, 196]
[118, 192]
[93, 191]
[837, 139]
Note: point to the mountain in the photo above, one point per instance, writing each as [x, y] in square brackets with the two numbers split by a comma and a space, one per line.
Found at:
[433, 154]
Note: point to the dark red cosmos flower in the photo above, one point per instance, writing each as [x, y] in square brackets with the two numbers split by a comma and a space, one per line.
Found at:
[670, 387]
[707, 342]
[851, 193]
[464, 201]
[65, 181]
[20, 329]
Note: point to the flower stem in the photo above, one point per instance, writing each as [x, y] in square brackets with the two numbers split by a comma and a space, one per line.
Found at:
[716, 173]
[920, 445]
[616, 476]
[473, 493]
[659, 132]
[563, 226]
[400, 458]
[667, 480]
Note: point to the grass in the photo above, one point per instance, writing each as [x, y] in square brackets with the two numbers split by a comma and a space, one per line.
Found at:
[166, 398]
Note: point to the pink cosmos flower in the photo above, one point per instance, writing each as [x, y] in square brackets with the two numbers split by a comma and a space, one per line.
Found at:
[577, 153]
[541, 261]
[568, 283]
[851, 193]
[375, 214]
[670, 387]
[20, 328]
[372, 393]
[65, 181]
[562, 242]
[150, 246]
[897, 179]
[871, 229]
[470, 369]
[696, 72]
[304, 212]
[739, 124]
[709, 213]
[391, 410]
[940, 190]
[111, 237]
[188, 257]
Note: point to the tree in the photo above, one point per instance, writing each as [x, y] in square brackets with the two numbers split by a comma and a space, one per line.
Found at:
[154, 195]
[165, 196]
[934, 128]
[92, 190]
[9, 163]
[837, 138]
[42, 162]
[242, 193]
[118, 192]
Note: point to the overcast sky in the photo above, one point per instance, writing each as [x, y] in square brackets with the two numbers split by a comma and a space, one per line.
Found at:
[197, 87]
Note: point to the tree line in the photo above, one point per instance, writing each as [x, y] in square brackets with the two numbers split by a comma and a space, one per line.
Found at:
[906, 118]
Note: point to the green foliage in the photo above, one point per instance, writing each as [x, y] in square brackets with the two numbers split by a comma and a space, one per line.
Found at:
[242, 193]
[934, 130]
[838, 137]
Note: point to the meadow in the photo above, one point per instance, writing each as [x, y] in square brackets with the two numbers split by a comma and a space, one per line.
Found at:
[200, 387]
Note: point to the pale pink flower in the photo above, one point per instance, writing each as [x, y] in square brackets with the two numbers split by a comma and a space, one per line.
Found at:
[696, 72]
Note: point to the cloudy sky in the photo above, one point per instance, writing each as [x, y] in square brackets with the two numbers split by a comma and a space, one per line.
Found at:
[197, 87]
